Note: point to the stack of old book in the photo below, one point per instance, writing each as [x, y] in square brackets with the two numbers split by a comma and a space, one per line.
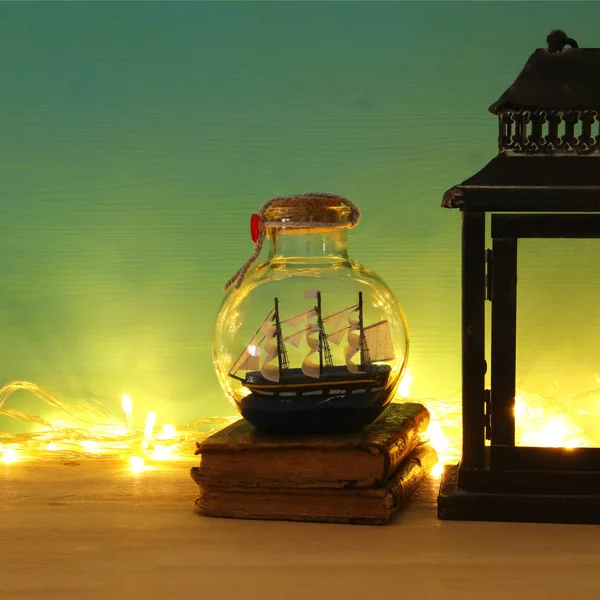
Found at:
[363, 477]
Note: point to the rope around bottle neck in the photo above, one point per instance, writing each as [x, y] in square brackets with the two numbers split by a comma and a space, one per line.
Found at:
[302, 203]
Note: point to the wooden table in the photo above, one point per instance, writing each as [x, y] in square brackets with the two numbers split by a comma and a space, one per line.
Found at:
[95, 530]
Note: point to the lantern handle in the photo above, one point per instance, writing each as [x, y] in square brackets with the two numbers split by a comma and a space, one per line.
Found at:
[558, 39]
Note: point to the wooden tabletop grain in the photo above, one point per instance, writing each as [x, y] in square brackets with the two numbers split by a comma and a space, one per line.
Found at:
[95, 530]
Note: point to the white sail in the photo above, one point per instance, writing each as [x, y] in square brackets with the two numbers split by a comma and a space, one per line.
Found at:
[309, 367]
[379, 341]
[268, 329]
[295, 338]
[337, 336]
[333, 321]
[296, 319]
[247, 362]
[353, 346]
[309, 314]
[268, 370]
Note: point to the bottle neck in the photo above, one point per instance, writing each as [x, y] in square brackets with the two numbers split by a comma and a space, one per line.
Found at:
[327, 245]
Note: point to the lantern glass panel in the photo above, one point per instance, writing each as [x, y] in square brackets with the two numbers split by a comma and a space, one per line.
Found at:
[558, 343]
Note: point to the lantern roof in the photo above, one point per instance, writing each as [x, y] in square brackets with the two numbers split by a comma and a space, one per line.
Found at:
[568, 79]
[549, 141]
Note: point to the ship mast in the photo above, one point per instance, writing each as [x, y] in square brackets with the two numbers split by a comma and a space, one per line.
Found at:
[365, 359]
[320, 321]
[282, 356]
[324, 350]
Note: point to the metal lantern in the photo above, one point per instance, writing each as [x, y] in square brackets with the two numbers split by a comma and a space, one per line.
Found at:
[544, 183]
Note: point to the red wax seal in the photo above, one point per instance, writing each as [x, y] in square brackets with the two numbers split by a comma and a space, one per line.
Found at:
[256, 226]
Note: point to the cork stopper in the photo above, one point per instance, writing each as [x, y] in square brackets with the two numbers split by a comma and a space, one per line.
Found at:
[316, 209]
[297, 214]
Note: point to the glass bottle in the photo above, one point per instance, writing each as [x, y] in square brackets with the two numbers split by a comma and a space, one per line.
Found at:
[309, 340]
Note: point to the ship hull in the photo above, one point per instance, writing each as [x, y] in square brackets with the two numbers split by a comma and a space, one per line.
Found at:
[337, 402]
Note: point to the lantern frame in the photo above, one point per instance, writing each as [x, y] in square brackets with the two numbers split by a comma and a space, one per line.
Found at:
[544, 184]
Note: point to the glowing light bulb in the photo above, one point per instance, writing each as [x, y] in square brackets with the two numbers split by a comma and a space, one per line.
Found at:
[9, 455]
[169, 432]
[436, 437]
[554, 433]
[148, 429]
[161, 452]
[520, 407]
[438, 470]
[136, 464]
[404, 388]
[90, 446]
[127, 405]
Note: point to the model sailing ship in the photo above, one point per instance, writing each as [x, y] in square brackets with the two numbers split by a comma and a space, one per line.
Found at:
[362, 380]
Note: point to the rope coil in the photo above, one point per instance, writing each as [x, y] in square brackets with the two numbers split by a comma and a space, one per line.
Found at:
[303, 212]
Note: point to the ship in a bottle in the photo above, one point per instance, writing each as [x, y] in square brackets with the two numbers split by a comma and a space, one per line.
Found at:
[320, 393]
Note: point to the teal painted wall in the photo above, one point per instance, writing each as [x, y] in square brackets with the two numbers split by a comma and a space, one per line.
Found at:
[137, 138]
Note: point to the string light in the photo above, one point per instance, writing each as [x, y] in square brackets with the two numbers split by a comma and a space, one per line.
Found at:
[168, 432]
[444, 431]
[127, 405]
[9, 455]
[541, 421]
[96, 434]
[148, 430]
[136, 464]
[404, 387]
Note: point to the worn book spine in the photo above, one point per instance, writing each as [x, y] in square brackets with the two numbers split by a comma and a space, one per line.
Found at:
[374, 506]
[239, 456]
